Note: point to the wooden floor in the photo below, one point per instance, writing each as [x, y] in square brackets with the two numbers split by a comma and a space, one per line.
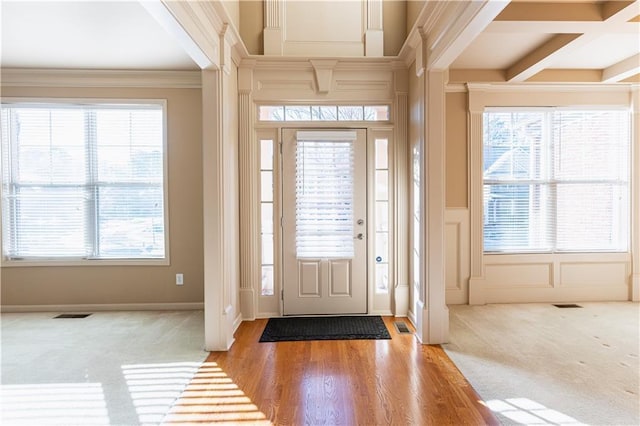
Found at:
[346, 382]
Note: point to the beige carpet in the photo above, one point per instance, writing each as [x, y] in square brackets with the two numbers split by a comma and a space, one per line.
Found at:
[539, 364]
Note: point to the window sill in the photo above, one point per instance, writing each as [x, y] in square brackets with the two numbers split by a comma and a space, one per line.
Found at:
[94, 262]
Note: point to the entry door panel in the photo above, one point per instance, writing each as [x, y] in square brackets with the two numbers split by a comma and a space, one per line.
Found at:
[324, 222]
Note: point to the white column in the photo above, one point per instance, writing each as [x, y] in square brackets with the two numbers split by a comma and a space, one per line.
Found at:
[272, 33]
[217, 327]
[400, 302]
[435, 315]
[249, 202]
[635, 193]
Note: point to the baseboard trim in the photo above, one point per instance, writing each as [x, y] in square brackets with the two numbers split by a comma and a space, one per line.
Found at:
[195, 306]
[237, 322]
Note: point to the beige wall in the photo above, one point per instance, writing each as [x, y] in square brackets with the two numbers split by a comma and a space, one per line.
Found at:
[394, 24]
[413, 10]
[251, 25]
[132, 284]
[456, 150]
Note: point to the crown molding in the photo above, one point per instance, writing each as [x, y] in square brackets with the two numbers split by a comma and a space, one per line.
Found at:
[25, 77]
[303, 63]
[549, 87]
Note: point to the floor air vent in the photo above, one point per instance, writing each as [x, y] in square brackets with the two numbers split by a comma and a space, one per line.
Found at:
[567, 305]
[402, 327]
[72, 316]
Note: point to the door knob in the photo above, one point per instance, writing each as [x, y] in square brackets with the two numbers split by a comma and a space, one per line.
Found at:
[360, 222]
[359, 236]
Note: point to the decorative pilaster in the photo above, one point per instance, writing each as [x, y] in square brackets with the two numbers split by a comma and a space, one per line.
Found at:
[401, 169]
[476, 280]
[272, 33]
[249, 199]
[374, 36]
[635, 193]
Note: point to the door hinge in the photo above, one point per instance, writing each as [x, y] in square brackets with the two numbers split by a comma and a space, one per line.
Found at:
[280, 147]
[281, 294]
[281, 222]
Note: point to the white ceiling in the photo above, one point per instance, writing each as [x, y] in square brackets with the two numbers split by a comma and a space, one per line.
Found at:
[86, 35]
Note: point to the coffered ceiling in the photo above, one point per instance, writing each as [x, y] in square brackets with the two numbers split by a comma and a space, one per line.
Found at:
[557, 40]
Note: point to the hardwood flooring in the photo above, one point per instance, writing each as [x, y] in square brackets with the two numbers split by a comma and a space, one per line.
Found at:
[344, 382]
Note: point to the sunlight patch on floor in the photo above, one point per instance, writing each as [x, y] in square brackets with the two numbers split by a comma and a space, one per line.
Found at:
[527, 412]
[53, 404]
[214, 398]
[154, 388]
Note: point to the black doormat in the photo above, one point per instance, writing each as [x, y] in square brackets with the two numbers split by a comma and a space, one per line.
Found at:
[324, 328]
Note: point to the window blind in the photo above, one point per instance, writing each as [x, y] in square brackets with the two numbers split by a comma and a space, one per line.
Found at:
[556, 180]
[83, 181]
[324, 198]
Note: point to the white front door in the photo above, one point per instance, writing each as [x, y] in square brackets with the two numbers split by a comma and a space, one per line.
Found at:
[324, 236]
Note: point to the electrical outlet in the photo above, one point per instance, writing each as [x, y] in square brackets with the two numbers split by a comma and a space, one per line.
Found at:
[179, 279]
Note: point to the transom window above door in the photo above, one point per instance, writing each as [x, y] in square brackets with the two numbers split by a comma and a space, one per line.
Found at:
[323, 113]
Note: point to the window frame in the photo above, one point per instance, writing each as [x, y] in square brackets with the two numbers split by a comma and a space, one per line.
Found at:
[78, 261]
[552, 182]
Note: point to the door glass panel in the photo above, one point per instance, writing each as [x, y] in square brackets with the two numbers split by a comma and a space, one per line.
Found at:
[324, 199]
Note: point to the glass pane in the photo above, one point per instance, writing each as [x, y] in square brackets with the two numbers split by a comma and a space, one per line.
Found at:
[376, 113]
[592, 217]
[266, 183]
[324, 199]
[50, 165]
[350, 113]
[267, 249]
[266, 154]
[382, 190]
[324, 113]
[517, 217]
[382, 161]
[382, 278]
[130, 222]
[591, 145]
[382, 216]
[266, 220]
[297, 113]
[50, 223]
[130, 164]
[382, 247]
[271, 113]
[267, 280]
[513, 146]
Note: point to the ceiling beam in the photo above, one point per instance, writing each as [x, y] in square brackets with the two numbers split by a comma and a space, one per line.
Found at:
[551, 12]
[622, 70]
[460, 36]
[621, 10]
[204, 56]
[543, 56]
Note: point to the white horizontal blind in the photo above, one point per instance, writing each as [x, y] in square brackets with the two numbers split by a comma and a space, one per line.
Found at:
[556, 180]
[324, 198]
[591, 169]
[83, 181]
